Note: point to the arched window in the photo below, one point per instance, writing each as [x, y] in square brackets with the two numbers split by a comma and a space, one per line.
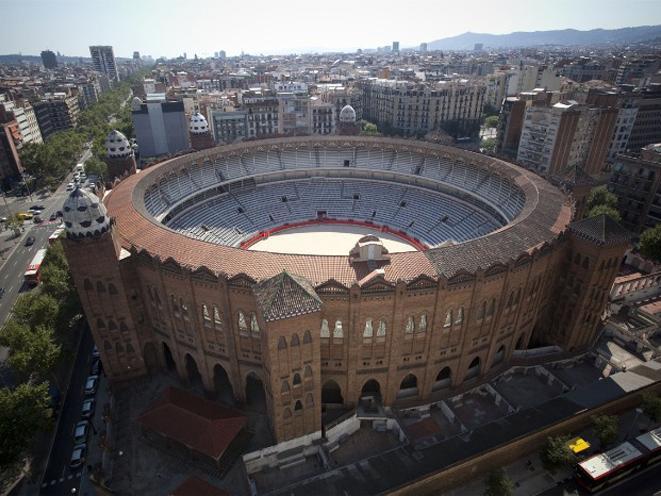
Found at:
[87, 284]
[112, 289]
[243, 325]
[284, 388]
[112, 326]
[307, 373]
[325, 332]
[118, 347]
[307, 337]
[282, 343]
[123, 327]
[175, 307]
[296, 381]
[459, 318]
[337, 331]
[517, 297]
[184, 308]
[100, 288]
[422, 323]
[448, 319]
[577, 259]
[254, 326]
[309, 400]
[129, 347]
[381, 331]
[100, 324]
[368, 332]
[410, 325]
[217, 318]
[295, 341]
[482, 310]
[492, 307]
[206, 317]
[298, 406]
[586, 263]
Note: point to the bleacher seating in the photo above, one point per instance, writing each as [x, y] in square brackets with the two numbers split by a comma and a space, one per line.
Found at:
[430, 216]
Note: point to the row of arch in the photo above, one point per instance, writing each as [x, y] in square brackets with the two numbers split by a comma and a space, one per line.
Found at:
[294, 341]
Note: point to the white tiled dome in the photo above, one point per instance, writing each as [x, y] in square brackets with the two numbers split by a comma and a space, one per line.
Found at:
[347, 114]
[198, 124]
[84, 215]
[117, 145]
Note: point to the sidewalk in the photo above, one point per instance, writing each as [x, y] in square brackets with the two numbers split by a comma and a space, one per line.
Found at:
[528, 474]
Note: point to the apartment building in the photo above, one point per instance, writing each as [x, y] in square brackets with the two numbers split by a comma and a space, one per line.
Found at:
[56, 112]
[103, 60]
[636, 181]
[647, 126]
[228, 125]
[323, 116]
[25, 118]
[262, 113]
[402, 107]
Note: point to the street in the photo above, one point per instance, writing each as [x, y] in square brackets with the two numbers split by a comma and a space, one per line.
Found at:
[645, 483]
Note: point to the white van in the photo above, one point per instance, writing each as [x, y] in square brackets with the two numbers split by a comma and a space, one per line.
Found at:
[79, 168]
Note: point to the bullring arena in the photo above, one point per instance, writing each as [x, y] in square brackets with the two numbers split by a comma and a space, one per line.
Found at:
[317, 270]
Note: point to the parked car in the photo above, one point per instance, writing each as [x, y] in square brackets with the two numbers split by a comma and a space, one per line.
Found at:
[70, 187]
[52, 217]
[37, 219]
[87, 411]
[29, 241]
[91, 385]
[80, 432]
[59, 213]
[78, 455]
[37, 207]
[24, 215]
[95, 369]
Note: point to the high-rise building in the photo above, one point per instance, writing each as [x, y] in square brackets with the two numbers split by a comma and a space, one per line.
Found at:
[49, 59]
[222, 55]
[103, 59]
[25, 118]
[647, 126]
[423, 47]
[395, 46]
[160, 126]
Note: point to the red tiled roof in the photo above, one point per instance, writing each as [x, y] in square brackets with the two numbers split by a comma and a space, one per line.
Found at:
[203, 426]
[194, 486]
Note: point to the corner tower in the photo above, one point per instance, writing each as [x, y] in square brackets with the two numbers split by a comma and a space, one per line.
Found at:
[119, 156]
[200, 136]
[97, 263]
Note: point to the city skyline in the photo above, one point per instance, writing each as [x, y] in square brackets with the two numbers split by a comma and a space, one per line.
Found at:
[153, 29]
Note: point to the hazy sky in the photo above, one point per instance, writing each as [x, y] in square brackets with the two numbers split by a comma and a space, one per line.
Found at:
[169, 27]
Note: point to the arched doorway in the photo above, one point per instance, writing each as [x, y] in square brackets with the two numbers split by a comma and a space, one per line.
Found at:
[474, 369]
[222, 385]
[170, 364]
[150, 357]
[443, 379]
[371, 388]
[408, 388]
[520, 343]
[331, 394]
[500, 355]
[192, 372]
[255, 394]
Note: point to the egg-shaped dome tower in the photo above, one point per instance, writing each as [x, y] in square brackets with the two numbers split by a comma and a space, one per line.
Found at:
[84, 215]
[198, 124]
[117, 146]
[136, 103]
[348, 114]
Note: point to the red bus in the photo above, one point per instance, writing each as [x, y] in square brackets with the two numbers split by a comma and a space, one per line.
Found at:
[33, 272]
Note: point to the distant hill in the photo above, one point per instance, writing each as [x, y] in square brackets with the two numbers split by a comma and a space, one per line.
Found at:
[565, 37]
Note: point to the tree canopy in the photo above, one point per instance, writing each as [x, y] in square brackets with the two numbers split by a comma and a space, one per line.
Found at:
[605, 427]
[491, 121]
[605, 209]
[96, 167]
[24, 411]
[556, 453]
[33, 352]
[650, 243]
[601, 196]
[498, 484]
[652, 406]
[369, 129]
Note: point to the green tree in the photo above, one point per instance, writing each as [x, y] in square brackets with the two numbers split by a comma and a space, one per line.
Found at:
[369, 129]
[650, 243]
[35, 309]
[96, 167]
[491, 121]
[556, 453]
[601, 196]
[498, 484]
[605, 427]
[24, 411]
[488, 145]
[652, 406]
[33, 353]
[605, 209]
